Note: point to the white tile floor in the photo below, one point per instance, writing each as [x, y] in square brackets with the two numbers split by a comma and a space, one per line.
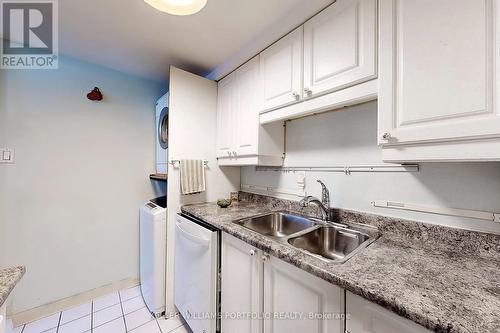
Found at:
[119, 312]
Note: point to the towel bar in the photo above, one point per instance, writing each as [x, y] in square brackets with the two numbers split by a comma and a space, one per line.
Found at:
[173, 162]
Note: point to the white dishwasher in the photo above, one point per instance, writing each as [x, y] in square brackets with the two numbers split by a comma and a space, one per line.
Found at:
[196, 273]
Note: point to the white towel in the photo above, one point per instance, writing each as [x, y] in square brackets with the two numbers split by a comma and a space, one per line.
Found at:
[192, 176]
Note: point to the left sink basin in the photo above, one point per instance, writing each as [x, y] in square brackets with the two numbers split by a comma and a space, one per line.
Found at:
[276, 224]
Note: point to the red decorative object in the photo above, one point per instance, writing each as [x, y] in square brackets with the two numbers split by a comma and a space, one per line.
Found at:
[95, 95]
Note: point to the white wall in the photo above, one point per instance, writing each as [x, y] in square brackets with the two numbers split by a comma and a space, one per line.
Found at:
[349, 137]
[69, 206]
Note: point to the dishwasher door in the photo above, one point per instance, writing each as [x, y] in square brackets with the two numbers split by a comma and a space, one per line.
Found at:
[196, 271]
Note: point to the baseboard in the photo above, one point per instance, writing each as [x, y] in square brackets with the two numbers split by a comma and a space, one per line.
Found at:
[42, 311]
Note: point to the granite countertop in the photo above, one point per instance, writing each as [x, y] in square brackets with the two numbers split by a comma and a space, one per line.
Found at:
[444, 279]
[9, 277]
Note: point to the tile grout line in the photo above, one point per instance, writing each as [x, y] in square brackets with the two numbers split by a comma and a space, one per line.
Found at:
[123, 313]
[92, 316]
[59, 321]
[158, 324]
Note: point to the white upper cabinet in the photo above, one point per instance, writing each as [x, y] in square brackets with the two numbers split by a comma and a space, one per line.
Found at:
[328, 63]
[439, 82]
[340, 46]
[368, 317]
[247, 110]
[241, 139]
[226, 103]
[281, 70]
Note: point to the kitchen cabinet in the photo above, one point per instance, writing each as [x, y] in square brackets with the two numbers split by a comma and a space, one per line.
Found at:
[339, 63]
[340, 46]
[290, 290]
[255, 283]
[281, 69]
[366, 317]
[439, 80]
[241, 285]
[3, 319]
[226, 103]
[241, 139]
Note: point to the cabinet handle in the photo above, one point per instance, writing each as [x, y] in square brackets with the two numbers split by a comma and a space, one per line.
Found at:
[265, 257]
[252, 253]
[307, 92]
[296, 96]
[386, 136]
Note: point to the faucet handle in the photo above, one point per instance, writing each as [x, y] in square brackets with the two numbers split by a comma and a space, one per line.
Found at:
[325, 194]
[303, 201]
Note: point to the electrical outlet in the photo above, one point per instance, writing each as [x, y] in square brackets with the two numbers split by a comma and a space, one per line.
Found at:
[301, 180]
[7, 155]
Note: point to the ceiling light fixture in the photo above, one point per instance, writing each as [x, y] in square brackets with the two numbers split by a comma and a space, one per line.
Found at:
[178, 7]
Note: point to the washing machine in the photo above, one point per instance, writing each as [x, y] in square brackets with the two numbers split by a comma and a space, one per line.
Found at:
[162, 134]
[153, 244]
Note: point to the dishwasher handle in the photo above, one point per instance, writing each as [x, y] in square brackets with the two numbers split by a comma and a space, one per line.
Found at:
[193, 238]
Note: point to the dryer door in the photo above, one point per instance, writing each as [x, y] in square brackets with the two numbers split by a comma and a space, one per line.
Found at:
[163, 128]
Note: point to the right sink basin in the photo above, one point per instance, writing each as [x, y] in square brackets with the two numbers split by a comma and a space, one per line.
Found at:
[331, 243]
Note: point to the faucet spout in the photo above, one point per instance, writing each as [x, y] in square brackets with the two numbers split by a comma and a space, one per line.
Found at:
[323, 204]
[307, 200]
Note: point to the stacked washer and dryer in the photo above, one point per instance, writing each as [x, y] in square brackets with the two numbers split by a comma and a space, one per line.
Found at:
[153, 225]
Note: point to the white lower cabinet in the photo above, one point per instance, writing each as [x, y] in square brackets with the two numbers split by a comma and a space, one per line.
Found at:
[241, 286]
[366, 317]
[3, 319]
[253, 283]
[290, 291]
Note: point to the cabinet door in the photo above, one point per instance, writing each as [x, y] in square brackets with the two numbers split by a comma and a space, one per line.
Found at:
[340, 46]
[367, 317]
[247, 116]
[241, 286]
[437, 77]
[226, 108]
[281, 71]
[290, 291]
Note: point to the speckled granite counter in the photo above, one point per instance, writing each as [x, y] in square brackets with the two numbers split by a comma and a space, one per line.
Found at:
[9, 277]
[447, 280]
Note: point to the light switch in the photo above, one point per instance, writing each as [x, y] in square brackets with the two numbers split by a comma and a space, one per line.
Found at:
[7, 155]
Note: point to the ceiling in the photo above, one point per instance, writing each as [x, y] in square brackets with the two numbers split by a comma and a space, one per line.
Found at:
[132, 37]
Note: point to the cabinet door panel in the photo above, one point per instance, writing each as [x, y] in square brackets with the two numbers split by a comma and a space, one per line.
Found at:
[367, 317]
[281, 71]
[290, 290]
[340, 46]
[437, 74]
[226, 107]
[241, 287]
[247, 117]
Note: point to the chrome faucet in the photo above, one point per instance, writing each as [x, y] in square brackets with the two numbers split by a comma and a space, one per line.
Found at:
[323, 204]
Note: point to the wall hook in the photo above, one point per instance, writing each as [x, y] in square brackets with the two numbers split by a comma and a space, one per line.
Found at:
[95, 95]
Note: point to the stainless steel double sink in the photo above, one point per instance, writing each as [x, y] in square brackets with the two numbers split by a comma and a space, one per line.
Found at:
[328, 241]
